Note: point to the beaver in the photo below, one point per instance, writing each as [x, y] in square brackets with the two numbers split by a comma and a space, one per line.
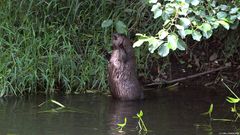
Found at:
[122, 76]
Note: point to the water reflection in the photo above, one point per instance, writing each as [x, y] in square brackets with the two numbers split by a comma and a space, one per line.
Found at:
[165, 112]
[118, 110]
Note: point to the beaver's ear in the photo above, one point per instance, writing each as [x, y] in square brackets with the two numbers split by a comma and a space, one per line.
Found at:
[114, 36]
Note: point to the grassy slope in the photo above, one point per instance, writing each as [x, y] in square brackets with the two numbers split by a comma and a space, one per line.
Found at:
[52, 45]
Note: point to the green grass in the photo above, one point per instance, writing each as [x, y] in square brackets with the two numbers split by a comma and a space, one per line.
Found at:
[55, 46]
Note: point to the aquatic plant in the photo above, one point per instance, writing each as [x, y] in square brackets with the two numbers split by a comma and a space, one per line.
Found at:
[234, 109]
[122, 125]
[141, 124]
[59, 109]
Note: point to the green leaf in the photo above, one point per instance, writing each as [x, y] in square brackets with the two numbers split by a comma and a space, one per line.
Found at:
[196, 35]
[184, 9]
[172, 40]
[233, 100]
[185, 22]
[163, 50]
[215, 25]
[162, 34]
[141, 113]
[141, 39]
[210, 109]
[153, 1]
[221, 15]
[156, 10]
[224, 24]
[121, 27]
[154, 44]
[195, 2]
[223, 7]
[180, 27]
[139, 42]
[181, 45]
[233, 10]
[107, 23]
[205, 27]
[233, 18]
[157, 13]
[169, 10]
[123, 124]
[208, 34]
[188, 32]
[182, 33]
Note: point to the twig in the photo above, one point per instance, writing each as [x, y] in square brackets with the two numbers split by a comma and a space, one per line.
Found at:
[187, 77]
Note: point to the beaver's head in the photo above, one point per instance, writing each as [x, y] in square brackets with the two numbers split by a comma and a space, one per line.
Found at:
[121, 41]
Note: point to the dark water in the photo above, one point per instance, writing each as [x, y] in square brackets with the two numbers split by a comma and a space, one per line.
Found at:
[166, 112]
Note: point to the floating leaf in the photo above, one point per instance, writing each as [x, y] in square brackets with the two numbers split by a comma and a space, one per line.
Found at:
[196, 35]
[163, 50]
[121, 27]
[107, 23]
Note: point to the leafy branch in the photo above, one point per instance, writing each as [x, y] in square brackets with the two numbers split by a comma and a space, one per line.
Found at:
[196, 18]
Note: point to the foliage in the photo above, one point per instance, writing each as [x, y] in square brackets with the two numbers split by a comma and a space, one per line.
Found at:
[234, 108]
[53, 46]
[119, 26]
[141, 124]
[122, 125]
[198, 18]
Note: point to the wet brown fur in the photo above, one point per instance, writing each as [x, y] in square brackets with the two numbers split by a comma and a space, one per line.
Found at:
[122, 75]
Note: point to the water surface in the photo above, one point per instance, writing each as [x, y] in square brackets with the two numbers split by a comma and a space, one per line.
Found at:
[166, 112]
